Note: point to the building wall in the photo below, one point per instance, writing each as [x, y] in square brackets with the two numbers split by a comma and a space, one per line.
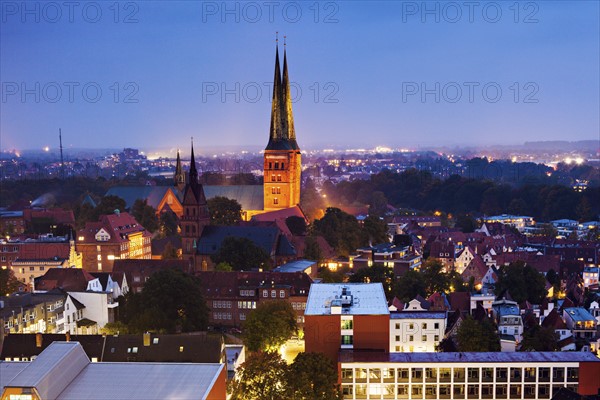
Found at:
[388, 380]
[371, 332]
[281, 185]
[322, 334]
[589, 378]
[219, 389]
[404, 329]
[96, 306]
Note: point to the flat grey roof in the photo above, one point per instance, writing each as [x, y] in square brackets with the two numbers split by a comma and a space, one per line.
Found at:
[367, 298]
[418, 315]
[142, 381]
[295, 266]
[483, 357]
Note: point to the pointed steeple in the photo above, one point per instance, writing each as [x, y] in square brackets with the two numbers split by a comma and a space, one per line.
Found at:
[179, 177]
[275, 130]
[287, 117]
[193, 174]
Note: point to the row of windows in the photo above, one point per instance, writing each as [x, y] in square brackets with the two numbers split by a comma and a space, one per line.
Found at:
[275, 190]
[246, 292]
[247, 304]
[277, 165]
[222, 316]
[275, 178]
[379, 391]
[424, 338]
[5, 249]
[221, 304]
[22, 270]
[265, 293]
[474, 374]
[299, 306]
[424, 325]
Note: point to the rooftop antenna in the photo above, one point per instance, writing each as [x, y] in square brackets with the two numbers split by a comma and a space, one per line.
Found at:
[62, 162]
[284, 40]
[276, 36]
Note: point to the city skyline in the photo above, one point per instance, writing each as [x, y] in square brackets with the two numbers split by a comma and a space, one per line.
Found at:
[411, 77]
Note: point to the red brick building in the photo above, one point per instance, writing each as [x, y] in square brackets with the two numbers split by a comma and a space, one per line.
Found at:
[348, 316]
[231, 296]
[113, 237]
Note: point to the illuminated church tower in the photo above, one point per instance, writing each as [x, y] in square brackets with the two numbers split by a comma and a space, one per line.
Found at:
[283, 164]
[195, 213]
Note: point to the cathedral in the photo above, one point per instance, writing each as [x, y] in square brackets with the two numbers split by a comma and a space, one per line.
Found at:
[280, 191]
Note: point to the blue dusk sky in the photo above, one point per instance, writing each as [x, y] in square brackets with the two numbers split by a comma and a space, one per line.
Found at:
[150, 74]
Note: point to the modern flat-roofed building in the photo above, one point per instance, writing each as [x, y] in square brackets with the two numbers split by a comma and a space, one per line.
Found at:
[416, 331]
[64, 372]
[527, 375]
[346, 316]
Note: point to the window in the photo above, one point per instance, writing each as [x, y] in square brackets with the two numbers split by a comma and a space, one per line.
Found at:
[572, 374]
[402, 374]
[424, 325]
[529, 374]
[459, 375]
[544, 374]
[346, 324]
[473, 374]
[501, 374]
[431, 374]
[347, 374]
[487, 374]
[397, 325]
[423, 338]
[272, 178]
[273, 293]
[275, 200]
[436, 325]
[265, 293]
[558, 374]
[472, 391]
[436, 338]
[282, 294]
[276, 165]
[278, 178]
[515, 375]
[417, 375]
[347, 339]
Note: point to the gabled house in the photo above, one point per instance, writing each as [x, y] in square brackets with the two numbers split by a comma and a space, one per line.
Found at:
[68, 279]
[580, 322]
[507, 316]
[555, 321]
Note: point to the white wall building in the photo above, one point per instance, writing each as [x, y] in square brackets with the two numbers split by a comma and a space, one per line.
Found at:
[416, 331]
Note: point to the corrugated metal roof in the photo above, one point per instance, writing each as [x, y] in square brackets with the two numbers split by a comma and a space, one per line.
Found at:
[367, 298]
[142, 381]
[53, 369]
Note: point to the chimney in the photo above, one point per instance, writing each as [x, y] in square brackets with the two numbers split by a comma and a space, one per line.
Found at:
[38, 340]
[147, 337]
[68, 336]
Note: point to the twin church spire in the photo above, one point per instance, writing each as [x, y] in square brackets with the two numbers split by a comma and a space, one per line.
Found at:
[282, 135]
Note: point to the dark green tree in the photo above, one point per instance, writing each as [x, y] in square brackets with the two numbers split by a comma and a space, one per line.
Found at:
[262, 377]
[296, 225]
[436, 280]
[477, 336]
[376, 230]
[409, 285]
[539, 338]
[242, 254]
[312, 250]
[466, 223]
[108, 205]
[523, 283]
[311, 201]
[145, 214]
[313, 376]
[171, 301]
[8, 282]
[341, 230]
[224, 211]
[378, 204]
[269, 326]
[168, 224]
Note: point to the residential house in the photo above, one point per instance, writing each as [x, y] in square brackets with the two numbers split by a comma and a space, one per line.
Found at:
[507, 316]
[416, 331]
[113, 237]
[580, 322]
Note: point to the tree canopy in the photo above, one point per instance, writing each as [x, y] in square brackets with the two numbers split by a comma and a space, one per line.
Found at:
[269, 326]
[242, 254]
[477, 336]
[224, 211]
[266, 376]
[145, 214]
[8, 282]
[540, 338]
[171, 301]
[261, 377]
[341, 230]
[313, 376]
[523, 283]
